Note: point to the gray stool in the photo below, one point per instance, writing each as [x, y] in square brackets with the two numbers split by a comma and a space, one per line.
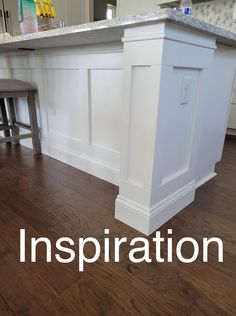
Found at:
[9, 90]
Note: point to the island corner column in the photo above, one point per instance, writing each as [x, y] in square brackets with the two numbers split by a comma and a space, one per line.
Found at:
[160, 123]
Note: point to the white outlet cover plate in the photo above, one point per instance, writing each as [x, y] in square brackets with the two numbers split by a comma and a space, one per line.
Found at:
[186, 91]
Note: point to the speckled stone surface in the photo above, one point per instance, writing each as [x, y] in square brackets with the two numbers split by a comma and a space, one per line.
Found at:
[217, 12]
[111, 30]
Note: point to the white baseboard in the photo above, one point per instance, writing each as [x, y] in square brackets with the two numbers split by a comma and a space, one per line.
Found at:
[147, 221]
[206, 179]
[79, 161]
[231, 131]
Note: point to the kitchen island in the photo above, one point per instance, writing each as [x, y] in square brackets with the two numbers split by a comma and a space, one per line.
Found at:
[141, 102]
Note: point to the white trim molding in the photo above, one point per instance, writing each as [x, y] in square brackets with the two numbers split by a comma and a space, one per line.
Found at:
[161, 129]
[147, 220]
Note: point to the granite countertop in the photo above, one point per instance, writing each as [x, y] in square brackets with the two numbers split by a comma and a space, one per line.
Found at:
[110, 30]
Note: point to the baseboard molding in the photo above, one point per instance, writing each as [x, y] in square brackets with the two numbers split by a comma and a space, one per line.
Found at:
[79, 161]
[206, 179]
[149, 220]
[231, 132]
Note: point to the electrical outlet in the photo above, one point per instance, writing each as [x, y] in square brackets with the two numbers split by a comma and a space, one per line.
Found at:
[186, 91]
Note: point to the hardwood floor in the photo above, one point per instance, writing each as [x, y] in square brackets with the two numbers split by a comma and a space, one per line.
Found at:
[51, 199]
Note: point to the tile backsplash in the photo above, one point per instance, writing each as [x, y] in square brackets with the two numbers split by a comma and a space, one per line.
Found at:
[218, 12]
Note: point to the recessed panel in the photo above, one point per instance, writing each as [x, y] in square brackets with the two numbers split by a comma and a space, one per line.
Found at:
[63, 100]
[105, 108]
[180, 109]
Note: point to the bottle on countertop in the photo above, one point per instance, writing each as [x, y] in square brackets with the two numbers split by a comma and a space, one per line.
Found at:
[27, 16]
[185, 7]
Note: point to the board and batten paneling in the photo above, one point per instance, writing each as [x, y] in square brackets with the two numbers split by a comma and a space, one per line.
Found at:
[80, 104]
[63, 92]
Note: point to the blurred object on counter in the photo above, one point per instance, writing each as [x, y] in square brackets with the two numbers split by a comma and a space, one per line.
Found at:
[185, 7]
[45, 9]
[27, 16]
[50, 24]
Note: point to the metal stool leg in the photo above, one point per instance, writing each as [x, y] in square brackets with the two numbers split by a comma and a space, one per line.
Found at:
[33, 123]
[12, 114]
[4, 118]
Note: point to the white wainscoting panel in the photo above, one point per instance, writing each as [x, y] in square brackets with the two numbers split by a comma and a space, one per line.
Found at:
[62, 89]
[105, 108]
[79, 103]
[179, 130]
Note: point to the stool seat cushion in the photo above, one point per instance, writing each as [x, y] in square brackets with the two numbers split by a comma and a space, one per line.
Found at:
[11, 85]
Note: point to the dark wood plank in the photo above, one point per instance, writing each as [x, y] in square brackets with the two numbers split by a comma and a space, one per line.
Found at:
[24, 293]
[43, 270]
[4, 308]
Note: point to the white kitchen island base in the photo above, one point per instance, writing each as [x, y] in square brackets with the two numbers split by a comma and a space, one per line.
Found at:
[149, 115]
[175, 110]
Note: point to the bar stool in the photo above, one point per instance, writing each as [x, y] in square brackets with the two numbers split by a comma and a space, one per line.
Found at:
[9, 90]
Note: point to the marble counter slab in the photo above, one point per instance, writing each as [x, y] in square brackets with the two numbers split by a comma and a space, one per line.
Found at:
[109, 31]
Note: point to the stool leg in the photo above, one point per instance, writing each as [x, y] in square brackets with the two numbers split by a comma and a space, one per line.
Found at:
[4, 117]
[12, 114]
[33, 123]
